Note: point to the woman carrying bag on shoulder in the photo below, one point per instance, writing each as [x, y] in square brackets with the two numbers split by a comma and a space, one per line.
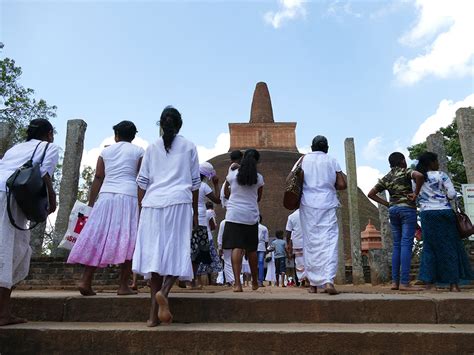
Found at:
[15, 251]
[443, 259]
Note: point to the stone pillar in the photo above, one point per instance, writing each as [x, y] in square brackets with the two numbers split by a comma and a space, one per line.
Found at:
[68, 188]
[385, 232]
[341, 258]
[379, 271]
[354, 221]
[6, 137]
[465, 122]
[435, 144]
[37, 238]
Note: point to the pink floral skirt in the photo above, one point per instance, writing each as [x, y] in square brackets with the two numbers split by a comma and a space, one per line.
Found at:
[110, 233]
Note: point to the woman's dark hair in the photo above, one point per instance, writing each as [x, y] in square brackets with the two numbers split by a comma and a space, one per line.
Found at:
[320, 144]
[395, 159]
[424, 163]
[170, 123]
[247, 174]
[125, 130]
[236, 156]
[38, 129]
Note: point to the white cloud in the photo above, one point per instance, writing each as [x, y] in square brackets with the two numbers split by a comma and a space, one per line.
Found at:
[89, 157]
[221, 146]
[444, 31]
[443, 117]
[339, 8]
[288, 10]
[304, 150]
[372, 151]
[367, 177]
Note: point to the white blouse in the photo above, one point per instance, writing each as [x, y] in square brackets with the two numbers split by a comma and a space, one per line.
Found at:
[19, 154]
[435, 192]
[169, 177]
[242, 206]
[121, 168]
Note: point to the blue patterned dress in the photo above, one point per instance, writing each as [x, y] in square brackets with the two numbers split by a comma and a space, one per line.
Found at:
[443, 259]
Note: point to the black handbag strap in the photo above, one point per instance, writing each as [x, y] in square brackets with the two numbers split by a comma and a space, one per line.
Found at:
[44, 154]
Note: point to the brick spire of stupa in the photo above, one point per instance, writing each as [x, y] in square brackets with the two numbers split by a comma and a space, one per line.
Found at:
[261, 111]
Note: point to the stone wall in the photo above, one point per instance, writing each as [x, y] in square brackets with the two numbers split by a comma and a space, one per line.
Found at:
[274, 136]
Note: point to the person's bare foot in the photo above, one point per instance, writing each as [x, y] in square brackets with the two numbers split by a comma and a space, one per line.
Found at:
[182, 284]
[430, 287]
[313, 289]
[395, 286]
[330, 289]
[238, 288]
[10, 320]
[85, 290]
[454, 288]
[126, 291]
[134, 287]
[409, 288]
[255, 286]
[196, 287]
[164, 314]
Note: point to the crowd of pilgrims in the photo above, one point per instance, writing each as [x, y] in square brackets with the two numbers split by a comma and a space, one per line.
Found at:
[153, 215]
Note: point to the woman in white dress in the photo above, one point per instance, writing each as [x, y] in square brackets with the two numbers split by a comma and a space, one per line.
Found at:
[168, 193]
[271, 271]
[110, 233]
[244, 187]
[15, 251]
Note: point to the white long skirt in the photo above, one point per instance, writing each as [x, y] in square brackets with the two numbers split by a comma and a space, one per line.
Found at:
[228, 271]
[15, 250]
[320, 234]
[299, 264]
[271, 276]
[164, 242]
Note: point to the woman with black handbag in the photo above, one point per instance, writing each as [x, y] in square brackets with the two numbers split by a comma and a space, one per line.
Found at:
[443, 259]
[15, 251]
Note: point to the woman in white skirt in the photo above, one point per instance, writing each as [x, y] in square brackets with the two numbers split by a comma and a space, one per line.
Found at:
[203, 251]
[15, 251]
[271, 271]
[169, 182]
[110, 233]
[244, 188]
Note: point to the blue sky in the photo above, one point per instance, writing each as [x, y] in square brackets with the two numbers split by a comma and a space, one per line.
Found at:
[385, 73]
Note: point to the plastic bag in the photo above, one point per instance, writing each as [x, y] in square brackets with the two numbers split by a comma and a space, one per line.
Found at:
[77, 220]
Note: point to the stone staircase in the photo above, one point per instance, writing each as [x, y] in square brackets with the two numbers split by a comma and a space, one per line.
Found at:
[253, 322]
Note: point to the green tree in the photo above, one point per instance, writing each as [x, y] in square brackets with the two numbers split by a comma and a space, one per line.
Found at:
[453, 152]
[87, 177]
[17, 103]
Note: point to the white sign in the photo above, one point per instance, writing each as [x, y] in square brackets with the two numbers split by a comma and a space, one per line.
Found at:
[468, 195]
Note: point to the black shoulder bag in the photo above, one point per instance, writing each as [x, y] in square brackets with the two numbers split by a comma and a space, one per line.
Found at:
[30, 192]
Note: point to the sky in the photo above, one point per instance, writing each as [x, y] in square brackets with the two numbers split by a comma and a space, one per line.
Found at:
[387, 73]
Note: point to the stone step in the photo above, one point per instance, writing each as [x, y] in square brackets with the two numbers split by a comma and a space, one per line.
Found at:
[249, 307]
[231, 338]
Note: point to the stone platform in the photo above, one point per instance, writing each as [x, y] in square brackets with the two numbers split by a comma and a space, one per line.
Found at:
[365, 320]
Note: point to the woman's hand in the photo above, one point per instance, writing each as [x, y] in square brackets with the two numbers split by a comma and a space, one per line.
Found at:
[412, 197]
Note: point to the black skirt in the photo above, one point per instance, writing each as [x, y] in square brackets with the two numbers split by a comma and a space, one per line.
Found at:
[240, 236]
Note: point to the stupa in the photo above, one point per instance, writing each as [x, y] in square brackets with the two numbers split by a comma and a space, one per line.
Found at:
[276, 142]
[370, 238]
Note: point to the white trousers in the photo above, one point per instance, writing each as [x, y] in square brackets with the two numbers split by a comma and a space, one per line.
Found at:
[320, 235]
[228, 272]
[15, 251]
[299, 264]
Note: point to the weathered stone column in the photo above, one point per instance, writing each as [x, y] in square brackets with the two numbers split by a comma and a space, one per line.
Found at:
[379, 271]
[37, 237]
[354, 221]
[465, 122]
[385, 232]
[68, 188]
[6, 137]
[435, 144]
[341, 258]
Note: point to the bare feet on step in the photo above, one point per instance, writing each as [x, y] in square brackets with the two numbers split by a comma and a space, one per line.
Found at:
[330, 289]
[85, 290]
[164, 314]
[255, 286]
[238, 288]
[313, 289]
[410, 288]
[126, 291]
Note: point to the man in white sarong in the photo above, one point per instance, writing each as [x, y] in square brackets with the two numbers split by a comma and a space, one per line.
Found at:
[227, 255]
[295, 235]
[322, 177]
